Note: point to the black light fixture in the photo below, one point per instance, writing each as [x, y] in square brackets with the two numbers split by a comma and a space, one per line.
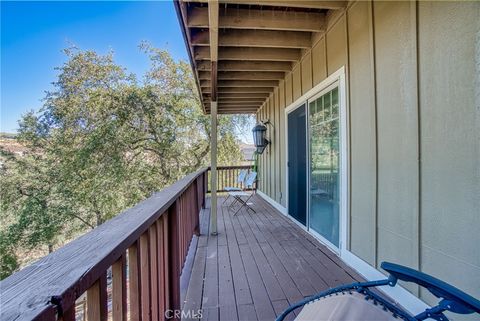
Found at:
[259, 136]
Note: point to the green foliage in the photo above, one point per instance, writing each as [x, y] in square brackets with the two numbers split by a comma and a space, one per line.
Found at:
[102, 141]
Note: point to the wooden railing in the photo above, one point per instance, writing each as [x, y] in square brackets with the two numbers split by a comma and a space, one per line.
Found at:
[227, 177]
[142, 250]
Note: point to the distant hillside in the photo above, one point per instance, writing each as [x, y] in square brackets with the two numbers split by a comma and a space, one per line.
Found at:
[7, 135]
[8, 142]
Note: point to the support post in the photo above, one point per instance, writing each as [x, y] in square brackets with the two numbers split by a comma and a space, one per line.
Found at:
[213, 34]
[213, 169]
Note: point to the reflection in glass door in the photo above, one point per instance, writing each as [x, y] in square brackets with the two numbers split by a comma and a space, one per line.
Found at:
[324, 192]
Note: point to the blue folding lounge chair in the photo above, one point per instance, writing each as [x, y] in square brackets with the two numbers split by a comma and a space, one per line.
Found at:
[359, 301]
[249, 182]
[240, 181]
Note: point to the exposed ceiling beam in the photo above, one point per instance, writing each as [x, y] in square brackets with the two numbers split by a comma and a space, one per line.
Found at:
[255, 38]
[312, 4]
[236, 103]
[240, 100]
[213, 35]
[238, 107]
[240, 90]
[222, 95]
[233, 107]
[180, 8]
[230, 90]
[241, 83]
[255, 54]
[213, 29]
[252, 106]
[244, 98]
[234, 18]
[234, 112]
[244, 75]
[247, 65]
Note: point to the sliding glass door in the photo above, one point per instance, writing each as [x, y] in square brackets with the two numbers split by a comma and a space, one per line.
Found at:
[317, 163]
[297, 165]
[324, 165]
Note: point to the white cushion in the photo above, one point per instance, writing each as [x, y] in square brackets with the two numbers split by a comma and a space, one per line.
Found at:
[344, 307]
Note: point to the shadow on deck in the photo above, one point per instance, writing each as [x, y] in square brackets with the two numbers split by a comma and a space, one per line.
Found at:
[257, 265]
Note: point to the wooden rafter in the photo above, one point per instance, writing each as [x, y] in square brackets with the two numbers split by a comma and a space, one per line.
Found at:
[247, 66]
[253, 54]
[181, 11]
[222, 95]
[241, 83]
[311, 4]
[237, 90]
[244, 75]
[237, 103]
[255, 38]
[241, 99]
[235, 18]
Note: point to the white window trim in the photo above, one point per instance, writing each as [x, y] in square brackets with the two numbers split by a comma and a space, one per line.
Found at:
[327, 84]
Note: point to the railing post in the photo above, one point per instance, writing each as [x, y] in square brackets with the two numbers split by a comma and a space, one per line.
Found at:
[134, 282]
[196, 219]
[143, 251]
[152, 240]
[119, 289]
[174, 258]
[205, 188]
[97, 300]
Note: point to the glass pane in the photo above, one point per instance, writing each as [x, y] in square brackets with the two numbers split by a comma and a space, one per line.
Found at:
[335, 103]
[327, 104]
[321, 115]
[324, 172]
[313, 108]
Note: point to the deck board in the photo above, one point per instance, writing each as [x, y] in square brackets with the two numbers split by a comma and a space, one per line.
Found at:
[257, 265]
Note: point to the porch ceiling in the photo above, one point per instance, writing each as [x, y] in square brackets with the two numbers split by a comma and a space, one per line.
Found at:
[240, 49]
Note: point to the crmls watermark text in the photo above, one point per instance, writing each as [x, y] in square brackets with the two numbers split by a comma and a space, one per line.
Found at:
[181, 314]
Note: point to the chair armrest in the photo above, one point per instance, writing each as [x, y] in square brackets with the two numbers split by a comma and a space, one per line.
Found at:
[437, 287]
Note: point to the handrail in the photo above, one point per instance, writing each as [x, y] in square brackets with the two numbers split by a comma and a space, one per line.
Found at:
[153, 236]
[227, 177]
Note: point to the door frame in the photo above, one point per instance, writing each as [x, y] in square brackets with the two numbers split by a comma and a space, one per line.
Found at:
[344, 228]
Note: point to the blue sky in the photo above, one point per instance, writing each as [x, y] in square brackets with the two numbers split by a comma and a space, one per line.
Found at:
[34, 33]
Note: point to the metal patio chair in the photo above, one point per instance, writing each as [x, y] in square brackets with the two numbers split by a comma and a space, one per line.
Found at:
[238, 195]
[240, 180]
[359, 301]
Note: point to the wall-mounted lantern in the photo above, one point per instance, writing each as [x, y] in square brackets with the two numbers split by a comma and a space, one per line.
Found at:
[259, 136]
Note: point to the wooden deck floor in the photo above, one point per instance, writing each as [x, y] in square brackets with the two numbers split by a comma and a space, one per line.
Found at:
[257, 265]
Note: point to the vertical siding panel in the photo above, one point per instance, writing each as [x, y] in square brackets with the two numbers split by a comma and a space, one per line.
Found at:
[336, 46]
[449, 79]
[288, 89]
[271, 173]
[397, 121]
[319, 64]
[307, 72]
[267, 153]
[259, 159]
[278, 147]
[297, 81]
[362, 133]
[283, 134]
[262, 157]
